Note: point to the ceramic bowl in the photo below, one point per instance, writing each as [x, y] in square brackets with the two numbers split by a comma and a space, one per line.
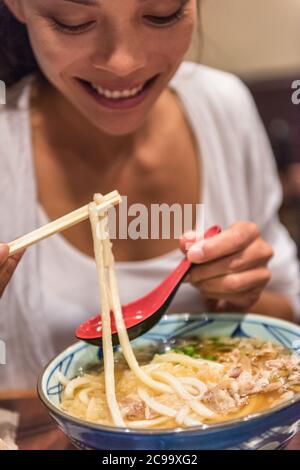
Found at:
[270, 429]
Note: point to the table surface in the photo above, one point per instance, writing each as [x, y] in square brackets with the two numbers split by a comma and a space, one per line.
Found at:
[37, 431]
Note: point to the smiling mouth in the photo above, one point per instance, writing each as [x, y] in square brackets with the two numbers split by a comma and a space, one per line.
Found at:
[119, 95]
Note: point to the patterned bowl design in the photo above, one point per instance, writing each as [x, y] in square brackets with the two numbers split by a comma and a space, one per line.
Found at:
[268, 430]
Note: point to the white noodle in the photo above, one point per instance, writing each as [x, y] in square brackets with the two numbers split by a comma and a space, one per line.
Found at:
[62, 379]
[191, 390]
[83, 397]
[155, 405]
[73, 384]
[201, 409]
[181, 416]
[121, 328]
[174, 383]
[195, 384]
[108, 354]
[196, 406]
[90, 409]
[191, 422]
[147, 423]
[163, 409]
[186, 360]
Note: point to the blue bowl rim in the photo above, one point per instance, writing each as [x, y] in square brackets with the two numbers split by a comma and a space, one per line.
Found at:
[205, 428]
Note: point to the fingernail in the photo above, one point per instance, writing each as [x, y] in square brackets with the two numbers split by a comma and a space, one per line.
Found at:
[188, 240]
[189, 235]
[196, 253]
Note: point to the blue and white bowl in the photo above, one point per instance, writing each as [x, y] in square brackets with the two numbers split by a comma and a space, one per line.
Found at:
[270, 429]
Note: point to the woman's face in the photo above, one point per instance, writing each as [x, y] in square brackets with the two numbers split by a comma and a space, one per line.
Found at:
[110, 58]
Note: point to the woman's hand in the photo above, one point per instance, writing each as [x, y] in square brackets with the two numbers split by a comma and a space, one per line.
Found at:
[7, 266]
[232, 271]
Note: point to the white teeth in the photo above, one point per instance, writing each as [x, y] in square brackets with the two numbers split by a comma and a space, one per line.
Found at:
[116, 94]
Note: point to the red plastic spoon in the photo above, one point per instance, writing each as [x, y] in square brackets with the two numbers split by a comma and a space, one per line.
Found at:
[142, 314]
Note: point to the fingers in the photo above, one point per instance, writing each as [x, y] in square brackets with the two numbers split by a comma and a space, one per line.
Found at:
[4, 250]
[234, 284]
[232, 240]
[7, 266]
[239, 302]
[232, 269]
[255, 255]
[236, 303]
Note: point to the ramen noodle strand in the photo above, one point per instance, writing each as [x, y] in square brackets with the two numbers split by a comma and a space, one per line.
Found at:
[183, 359]
[73, 384]
[194, 384]
[165, 410]
[181, 416]
[114, 300]
[62, 379]
[108, 355]
[148, 423]
[83, 397]
[155, 405]
[174, 383]
[197, 407]
[125, 343]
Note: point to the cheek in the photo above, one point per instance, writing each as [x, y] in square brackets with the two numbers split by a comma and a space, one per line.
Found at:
[56, 54]
[176, 43]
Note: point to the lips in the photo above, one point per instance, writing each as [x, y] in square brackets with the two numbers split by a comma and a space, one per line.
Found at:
[116, 99]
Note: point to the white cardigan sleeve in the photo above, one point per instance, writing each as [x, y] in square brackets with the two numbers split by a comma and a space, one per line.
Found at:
[265, 192]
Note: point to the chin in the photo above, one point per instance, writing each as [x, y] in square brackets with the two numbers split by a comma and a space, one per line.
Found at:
[117, 124]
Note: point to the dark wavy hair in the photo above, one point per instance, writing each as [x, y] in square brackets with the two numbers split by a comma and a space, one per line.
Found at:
[16, 56]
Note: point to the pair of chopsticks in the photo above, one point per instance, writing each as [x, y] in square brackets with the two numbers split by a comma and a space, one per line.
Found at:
[63, 223]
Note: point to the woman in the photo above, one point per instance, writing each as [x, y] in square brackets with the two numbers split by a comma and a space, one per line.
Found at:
[109, 103]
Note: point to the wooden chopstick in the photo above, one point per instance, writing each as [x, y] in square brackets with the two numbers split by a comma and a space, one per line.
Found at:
[63, 223]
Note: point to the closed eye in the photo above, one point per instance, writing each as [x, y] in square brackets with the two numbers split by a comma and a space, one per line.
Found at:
[165, 20]
[73, 29]
[159, 21]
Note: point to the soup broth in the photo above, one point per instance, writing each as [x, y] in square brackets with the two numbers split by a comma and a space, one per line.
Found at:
[206, 381]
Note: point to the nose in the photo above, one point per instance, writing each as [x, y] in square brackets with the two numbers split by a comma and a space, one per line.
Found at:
[124, 57]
